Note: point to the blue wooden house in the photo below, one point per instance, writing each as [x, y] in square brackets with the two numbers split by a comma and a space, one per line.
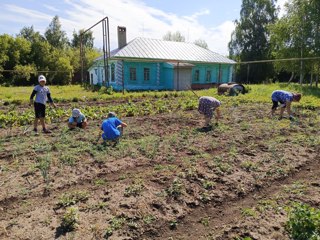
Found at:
[152, 64]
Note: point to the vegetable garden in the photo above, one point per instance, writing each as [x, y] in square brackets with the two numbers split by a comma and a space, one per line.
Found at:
[250, 177]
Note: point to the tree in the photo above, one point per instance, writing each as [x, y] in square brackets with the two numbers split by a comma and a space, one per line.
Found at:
[296, 35]
[87, 39]
[175, 37]
[250, 39]
[29, 34]
[55, 36]
[201, 43]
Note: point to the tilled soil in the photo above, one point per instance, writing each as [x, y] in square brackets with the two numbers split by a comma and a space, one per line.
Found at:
[168, 178]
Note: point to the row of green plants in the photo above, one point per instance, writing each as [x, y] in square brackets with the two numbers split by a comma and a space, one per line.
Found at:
[69, 93]
[148, 103]
[14, 117]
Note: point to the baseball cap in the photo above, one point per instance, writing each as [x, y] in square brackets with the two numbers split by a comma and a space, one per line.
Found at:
[42, 78]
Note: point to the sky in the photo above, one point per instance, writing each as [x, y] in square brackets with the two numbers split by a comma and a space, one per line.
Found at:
[209, 20]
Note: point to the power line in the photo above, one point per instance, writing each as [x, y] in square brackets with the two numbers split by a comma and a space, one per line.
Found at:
[279, 60]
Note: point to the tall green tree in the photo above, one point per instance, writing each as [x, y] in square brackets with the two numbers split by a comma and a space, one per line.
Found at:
[296, 35]
[175, 37]
[31, 35]
[87, 39]
[250, 39]
[55, 35]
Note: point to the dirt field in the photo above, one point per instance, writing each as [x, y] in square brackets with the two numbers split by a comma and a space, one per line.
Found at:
[166, 179]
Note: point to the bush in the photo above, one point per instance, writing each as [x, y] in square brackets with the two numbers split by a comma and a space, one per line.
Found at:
[304, 222]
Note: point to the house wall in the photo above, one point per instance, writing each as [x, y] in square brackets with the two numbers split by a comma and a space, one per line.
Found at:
[161, 75]
[202, 69]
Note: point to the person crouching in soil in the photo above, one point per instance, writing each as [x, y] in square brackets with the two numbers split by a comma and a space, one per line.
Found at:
[285, 99]
[77, 119]
[207, 106]
[112, 128]
[42, 94]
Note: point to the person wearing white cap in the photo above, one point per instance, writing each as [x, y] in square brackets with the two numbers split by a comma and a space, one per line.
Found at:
[43, 95]
[77, 119]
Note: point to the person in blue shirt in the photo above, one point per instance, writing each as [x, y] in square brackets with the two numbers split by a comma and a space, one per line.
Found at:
[112, 127]
[285, 99]
[77, 119]
[42, 94]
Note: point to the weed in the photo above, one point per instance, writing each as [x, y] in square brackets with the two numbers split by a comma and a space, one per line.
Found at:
[248, 165]
[115, 224]
[70, 219]
[248, 212]
[68, 159]
[175, 190]
[134, 189]
[100, 182]
[205, 221]
[208, 184]
[149, 146]
[205, 197]
[148, 219]
[69, 199]
[98, 206]
[266, 205]
[297, 188]
[173, 224]
[43, 165]
[242, 238]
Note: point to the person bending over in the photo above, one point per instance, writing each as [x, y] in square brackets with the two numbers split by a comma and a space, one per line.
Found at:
[285, 99]
[207, 106]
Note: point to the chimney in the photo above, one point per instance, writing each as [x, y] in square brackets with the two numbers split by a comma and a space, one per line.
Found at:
[122, 37]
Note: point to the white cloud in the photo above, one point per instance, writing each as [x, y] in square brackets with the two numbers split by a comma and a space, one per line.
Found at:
[139, 19]
[51, 8]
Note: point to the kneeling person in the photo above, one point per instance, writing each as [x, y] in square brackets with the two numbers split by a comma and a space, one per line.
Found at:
[77, 120]
[112, 127]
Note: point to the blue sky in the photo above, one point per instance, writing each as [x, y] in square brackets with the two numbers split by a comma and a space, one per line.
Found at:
[210, 20]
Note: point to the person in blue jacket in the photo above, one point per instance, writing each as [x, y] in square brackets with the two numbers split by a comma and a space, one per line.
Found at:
[285, 99]
[112, 127]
